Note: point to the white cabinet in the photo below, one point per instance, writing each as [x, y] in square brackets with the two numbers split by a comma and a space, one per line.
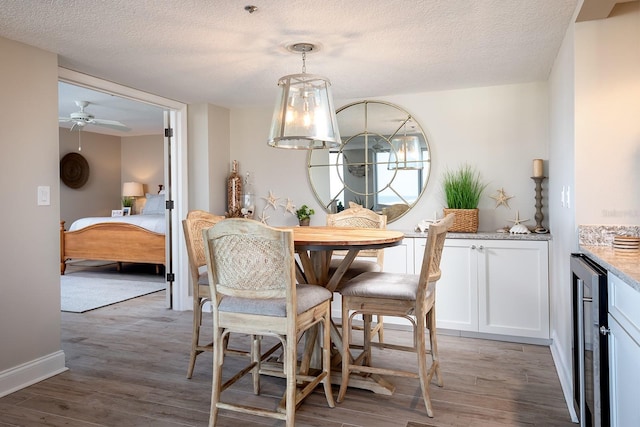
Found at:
[513, 289]
[624, 353]
[399, 259]
[493, 286]
[457, 290]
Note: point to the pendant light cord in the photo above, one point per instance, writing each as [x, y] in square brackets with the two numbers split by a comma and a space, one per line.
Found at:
[304, 62]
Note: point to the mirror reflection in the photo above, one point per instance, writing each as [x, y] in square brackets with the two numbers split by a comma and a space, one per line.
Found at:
[383, 163]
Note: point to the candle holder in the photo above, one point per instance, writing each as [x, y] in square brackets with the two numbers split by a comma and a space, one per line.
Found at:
[539, 215]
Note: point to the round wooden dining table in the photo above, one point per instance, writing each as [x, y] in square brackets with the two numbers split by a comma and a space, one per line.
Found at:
[314, 247]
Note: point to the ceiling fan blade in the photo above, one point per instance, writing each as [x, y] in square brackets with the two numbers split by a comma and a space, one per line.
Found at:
[64, 119]
[112, 124]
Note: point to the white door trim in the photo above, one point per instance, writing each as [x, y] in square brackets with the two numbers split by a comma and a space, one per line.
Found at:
[180, 298]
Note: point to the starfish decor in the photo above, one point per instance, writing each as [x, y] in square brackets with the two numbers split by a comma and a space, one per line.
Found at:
[501, 198]
[264, 217]
[517, 220]
[272, 200]
[289, 207]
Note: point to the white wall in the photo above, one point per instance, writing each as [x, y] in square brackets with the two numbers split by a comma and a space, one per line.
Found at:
[208, 153]
[29, 306]
[561, 216]
[103, 190]
[497, 129]
[607, 64]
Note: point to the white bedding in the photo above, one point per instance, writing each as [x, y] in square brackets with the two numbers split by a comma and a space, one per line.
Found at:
[155, 223]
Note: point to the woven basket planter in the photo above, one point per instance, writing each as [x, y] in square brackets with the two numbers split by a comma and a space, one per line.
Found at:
[466, 220]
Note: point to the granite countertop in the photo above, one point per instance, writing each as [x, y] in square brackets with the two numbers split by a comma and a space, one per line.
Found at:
[625, 265]
[485, 235]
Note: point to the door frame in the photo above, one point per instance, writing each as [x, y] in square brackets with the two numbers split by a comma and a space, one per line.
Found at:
[177, 298]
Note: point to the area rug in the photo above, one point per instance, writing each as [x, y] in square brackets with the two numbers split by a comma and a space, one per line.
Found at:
[80, 294]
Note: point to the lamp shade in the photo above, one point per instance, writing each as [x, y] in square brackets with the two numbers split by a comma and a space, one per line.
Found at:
[132, 189]
[406, 153]
[304, 116]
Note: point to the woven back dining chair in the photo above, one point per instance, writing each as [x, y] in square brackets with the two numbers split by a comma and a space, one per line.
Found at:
[251, 269]
[408, 296]
[370, 260]
[192, 226]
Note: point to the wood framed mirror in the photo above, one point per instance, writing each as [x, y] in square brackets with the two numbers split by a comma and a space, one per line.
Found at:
[383, 163]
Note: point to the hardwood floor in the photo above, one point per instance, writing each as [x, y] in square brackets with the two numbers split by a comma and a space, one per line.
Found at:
[128, 363]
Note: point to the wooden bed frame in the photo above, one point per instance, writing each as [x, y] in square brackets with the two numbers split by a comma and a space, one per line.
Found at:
[112, 241]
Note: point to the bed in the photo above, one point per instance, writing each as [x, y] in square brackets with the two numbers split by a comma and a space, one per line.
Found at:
[134, 238]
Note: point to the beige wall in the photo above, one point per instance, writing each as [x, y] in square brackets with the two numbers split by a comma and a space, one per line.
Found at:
[30, 284]
[102, 192]
[142, 160]
[607, 154]
[112, 161]
[499, 129]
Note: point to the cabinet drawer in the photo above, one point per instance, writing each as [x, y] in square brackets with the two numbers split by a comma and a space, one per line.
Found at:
[624, 305]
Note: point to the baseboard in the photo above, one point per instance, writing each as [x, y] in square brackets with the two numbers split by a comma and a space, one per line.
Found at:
[565, 375]
[29, 373]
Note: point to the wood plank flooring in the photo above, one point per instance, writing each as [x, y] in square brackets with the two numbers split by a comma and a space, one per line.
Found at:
[128, 363]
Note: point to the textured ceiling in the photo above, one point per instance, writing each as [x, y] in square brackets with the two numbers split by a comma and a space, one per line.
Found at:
[213, 51]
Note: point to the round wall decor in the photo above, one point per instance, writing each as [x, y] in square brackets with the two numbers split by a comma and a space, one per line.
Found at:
[74, 170]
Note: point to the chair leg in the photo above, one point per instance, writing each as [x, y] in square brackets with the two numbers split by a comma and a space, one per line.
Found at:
[421, 350]
[433, 340]
[346, 357]
[195, 335]
[256, 358]
[368, 335]
[326, 357]
[290, 367]
[216, 379]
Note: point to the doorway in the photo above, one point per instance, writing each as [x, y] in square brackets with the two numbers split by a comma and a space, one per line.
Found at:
[175, 174]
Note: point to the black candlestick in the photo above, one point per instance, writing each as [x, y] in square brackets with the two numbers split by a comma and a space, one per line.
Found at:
[539, 216]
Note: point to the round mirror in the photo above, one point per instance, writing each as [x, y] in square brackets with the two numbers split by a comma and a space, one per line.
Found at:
[383, 163]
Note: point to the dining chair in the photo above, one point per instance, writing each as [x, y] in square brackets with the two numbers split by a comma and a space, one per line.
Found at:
[196, 221]
[370, 260]
[408, 296]
[252, 280]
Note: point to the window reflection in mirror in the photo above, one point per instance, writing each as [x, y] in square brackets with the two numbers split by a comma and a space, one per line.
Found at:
[383, 163]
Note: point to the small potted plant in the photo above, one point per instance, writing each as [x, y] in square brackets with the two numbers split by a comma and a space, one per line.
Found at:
[462, 189]
[304, 214]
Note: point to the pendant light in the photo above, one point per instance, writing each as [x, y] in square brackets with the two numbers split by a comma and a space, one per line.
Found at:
[406, 153]
[304, 117]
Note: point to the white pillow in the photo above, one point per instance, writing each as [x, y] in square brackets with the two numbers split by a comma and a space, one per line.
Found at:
[155, 204]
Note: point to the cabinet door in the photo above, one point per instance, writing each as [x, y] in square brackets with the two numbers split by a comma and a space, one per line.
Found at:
[399, 259]
[456, 291]
[624, 352]
[624, 387]
[513, 288]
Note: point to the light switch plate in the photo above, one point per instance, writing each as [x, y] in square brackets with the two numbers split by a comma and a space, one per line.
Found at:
[44, 195]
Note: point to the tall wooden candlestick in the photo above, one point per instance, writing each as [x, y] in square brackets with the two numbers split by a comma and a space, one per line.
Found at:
[539, 216]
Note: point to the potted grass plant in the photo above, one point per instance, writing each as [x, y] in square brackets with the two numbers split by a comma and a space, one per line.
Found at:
[463, 188]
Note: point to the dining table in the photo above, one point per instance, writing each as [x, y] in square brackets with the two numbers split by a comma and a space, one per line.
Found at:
[314, 246]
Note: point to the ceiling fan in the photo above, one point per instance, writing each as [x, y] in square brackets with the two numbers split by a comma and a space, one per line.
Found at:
[82, 118]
